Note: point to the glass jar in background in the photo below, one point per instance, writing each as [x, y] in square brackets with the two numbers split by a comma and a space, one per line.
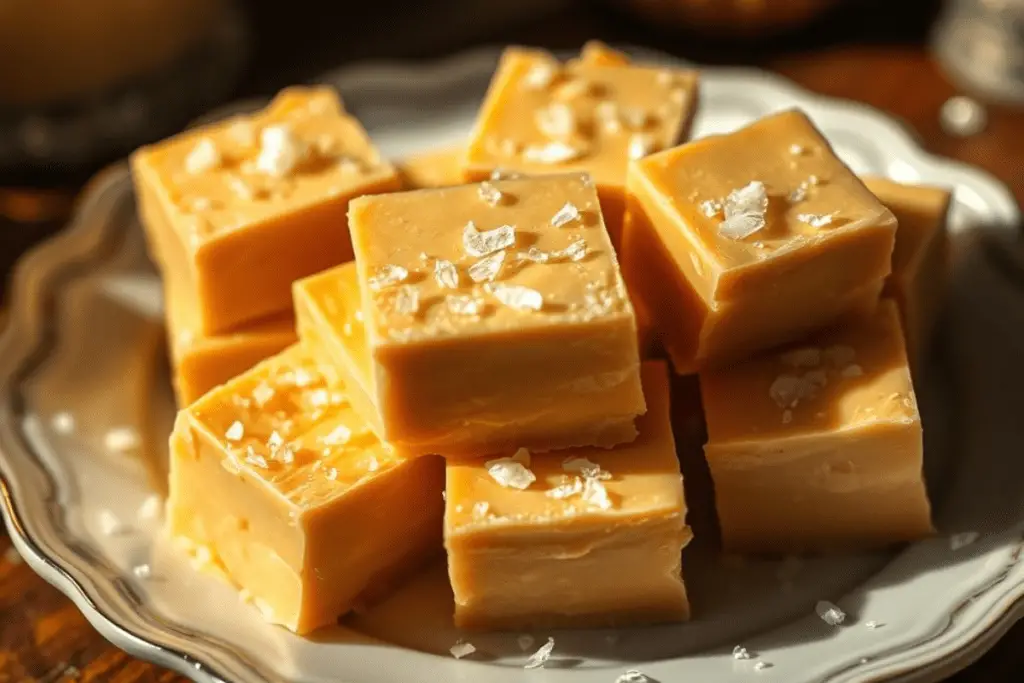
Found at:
[980, 44]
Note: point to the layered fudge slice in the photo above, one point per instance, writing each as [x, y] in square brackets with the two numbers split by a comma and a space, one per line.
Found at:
[818, 447]
[592, 114]
[201, 362]
[493, 316]
[290, 493]
[237, 210]
[920, 260]
[744, 241]
[434, 168]
[585, 537]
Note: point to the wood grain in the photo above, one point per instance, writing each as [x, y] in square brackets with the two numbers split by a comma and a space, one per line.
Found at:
[44, 638]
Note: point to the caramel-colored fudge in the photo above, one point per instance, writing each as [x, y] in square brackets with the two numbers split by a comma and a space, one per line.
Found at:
[201, 362]
[920, 261]
[741, 242]
[818, 447]
[436, 168]
[587, 537]
[288, 490]
[493, 317]
[238, 210]
[592, 114]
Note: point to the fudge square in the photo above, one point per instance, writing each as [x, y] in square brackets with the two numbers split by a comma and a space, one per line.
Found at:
[587, 537]
[287, 490]
[920, 260]
[818, 447]
[745, 241]
[495, 317]
[592, 114]
[433, 168]
[255, 202]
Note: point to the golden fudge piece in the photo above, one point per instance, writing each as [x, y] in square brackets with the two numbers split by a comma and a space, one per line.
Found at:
[238, 210]
[744, 241]
[436, 168]
[586, 537]
[593, 114]
[202, 362]
[289, 491]
[495, 317]
[920, 260]
[818, 447]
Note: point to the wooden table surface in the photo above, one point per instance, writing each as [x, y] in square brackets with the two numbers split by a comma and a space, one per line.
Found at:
[44, 638]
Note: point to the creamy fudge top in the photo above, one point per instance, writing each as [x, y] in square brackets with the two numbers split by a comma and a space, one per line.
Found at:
[249, 169]
[763, 190]
[284, 424]
[921, 211]
[852, 376]
[503, 255]
[581, 488]
[542, 116]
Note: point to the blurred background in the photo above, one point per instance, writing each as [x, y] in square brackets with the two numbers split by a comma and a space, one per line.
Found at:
[84, 83]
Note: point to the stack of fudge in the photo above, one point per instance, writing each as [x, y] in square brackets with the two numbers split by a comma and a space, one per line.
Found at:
[474, 373]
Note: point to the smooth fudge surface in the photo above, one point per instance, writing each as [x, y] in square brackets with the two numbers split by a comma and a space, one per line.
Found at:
[818, 447]
[252, 203]
[920, 260]
[489, 323]
[289, 491]
[433, 168]
[579, 538]
[744, 241]
[592, 114]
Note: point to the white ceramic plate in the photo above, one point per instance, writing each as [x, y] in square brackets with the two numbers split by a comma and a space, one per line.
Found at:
[83, 339]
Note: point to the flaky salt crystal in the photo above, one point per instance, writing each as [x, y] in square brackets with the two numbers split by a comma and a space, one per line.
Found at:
[142, 571]
[585, 467]
[275, 441]
[477, 243]
[556, 120]
[242, 133]
[962, 539]
[150, 509]
[574, 487]
[744, 211]
[407, 300]
[463, 304]
[534, 255]
[815, 220]
[510, 473]
[504, 174]
[872, 625]
[517, 297]
[594, 493]
[540, 76]
[338, 436]
[711, 208]
[640, 145]
[461, 649]
[235, 432]
[280, 151]
[487, 268]
[253, 458]
[607, 112]
[481, 508]
[552, 153]
[809, 357]
[63, 422]
[525, 642]
[540, 657]
[830, 613]
[798, 194]
[332, 473]
[740, 652]
[204, 157]
[761, 666]
[565, 215]
[372, 465]
[388, 275]
[262, 393]
[109, 523]
[796, 150]
[852, 370]
[122, 439]
[577, 251]
[633, 676]
[489, 193]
